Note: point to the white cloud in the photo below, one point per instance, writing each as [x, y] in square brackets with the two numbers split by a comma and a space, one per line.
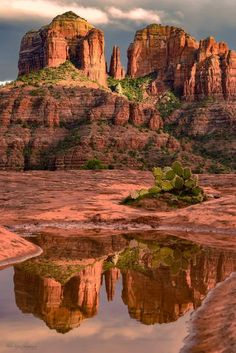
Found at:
[136, 14]
[3, 83]
[22, 9]
[47, 9]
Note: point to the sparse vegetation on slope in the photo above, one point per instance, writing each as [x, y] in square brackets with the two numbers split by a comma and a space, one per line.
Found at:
[66, 71]
[132, 88]
[167, 104]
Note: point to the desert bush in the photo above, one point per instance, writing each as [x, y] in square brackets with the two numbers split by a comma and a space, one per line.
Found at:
[167, 104]
[178, 181]
[132, 88]
[95, 164]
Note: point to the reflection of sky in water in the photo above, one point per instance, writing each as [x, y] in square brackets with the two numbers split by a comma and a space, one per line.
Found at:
[111, 331]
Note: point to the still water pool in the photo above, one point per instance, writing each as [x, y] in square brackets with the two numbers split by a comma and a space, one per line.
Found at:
[117, 293]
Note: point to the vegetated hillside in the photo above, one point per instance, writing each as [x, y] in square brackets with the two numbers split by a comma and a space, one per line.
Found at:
[64, 112]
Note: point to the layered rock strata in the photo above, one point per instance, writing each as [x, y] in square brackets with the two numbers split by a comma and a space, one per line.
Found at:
[67, 37]
[34, 120]
[193, 70]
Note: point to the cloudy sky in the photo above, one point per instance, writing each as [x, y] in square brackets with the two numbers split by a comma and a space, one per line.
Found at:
[119, 20]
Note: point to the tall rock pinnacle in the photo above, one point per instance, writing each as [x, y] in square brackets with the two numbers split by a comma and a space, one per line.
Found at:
[116, 69]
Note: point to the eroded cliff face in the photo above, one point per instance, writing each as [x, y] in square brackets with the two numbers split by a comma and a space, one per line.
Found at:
[62, 123]
[67, 37]
[167, 51]
[66, 126]
[193, 70]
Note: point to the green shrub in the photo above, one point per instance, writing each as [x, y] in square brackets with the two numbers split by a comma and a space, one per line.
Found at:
[132, 88]
[176, 181]
[167, 104]
[95, 164]
[52, 75]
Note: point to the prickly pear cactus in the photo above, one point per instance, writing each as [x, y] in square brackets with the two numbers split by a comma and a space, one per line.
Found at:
[177, 181]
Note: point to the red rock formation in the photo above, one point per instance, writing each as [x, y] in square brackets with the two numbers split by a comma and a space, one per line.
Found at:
[167, 297]
[193, 70]
[67, 37]
[213, 74]
[116, 69]
[161, 299]
[167, 51]
[36, 119]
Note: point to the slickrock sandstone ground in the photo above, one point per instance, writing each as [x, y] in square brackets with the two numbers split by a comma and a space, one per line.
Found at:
[14, 248]
[213, 326]
[85, 199]
[71, 203]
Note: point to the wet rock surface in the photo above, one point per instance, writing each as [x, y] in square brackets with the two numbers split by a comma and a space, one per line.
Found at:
[88, 199]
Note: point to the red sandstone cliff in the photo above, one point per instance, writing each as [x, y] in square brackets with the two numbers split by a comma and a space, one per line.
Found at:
[38, 119]
[67, 37]
[61, 124]
[167, 51]
[193, 70]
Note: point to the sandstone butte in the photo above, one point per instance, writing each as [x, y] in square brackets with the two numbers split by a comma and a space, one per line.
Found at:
[194, 70]
[63, 124]
[67, 37]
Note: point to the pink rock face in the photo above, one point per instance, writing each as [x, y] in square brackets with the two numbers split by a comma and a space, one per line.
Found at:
[67, 37]
[213, 74]
[193, 70]
[91, 57]
[166, 296]
[167, 51]
[116, 69]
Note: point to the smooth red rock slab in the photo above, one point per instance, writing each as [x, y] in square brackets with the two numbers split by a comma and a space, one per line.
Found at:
[213, 326]
[92, 199]
[14, 248]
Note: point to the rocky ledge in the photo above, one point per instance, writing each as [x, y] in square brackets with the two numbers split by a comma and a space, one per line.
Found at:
[14, 249]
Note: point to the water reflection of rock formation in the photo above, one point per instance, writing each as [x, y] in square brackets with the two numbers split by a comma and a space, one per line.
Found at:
[152, 295]
[62, 307]
[160, 297]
